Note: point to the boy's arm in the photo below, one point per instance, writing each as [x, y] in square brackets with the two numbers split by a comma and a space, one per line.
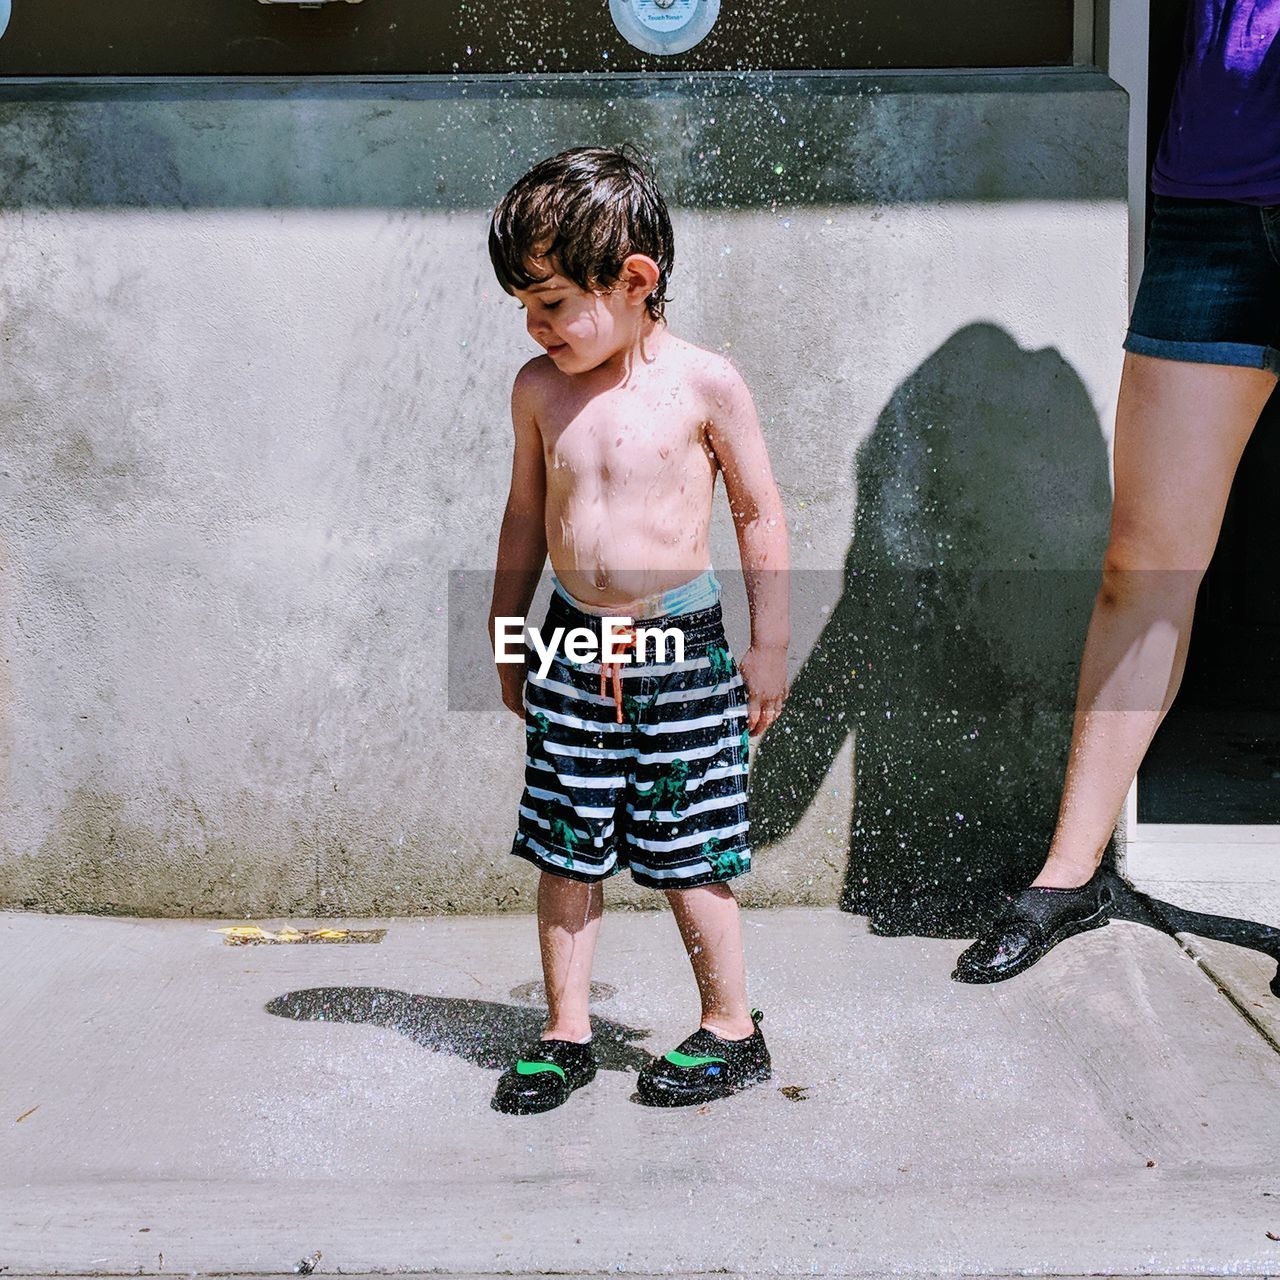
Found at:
[522, 542]
[761, 524]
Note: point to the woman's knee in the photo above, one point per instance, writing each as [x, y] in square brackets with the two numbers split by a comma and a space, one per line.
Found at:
[1140, 565]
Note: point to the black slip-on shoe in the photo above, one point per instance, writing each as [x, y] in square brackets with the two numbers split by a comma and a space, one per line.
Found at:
[704, 1067]
[544, 1077]
[1033, 923]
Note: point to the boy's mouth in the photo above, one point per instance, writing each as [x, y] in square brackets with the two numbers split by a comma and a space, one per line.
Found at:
[555, 348]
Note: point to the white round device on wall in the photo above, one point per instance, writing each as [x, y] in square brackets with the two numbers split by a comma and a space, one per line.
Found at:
[4, 15]
[664, 26]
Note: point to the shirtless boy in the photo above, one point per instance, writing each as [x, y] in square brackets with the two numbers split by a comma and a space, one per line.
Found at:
[620, 431]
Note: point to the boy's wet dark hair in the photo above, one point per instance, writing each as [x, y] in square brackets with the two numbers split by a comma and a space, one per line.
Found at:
[586, 209]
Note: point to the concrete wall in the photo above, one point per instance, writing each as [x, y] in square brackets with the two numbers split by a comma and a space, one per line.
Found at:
[253, 411]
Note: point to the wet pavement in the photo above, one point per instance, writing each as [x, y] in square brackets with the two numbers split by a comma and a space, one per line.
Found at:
[172, 1104]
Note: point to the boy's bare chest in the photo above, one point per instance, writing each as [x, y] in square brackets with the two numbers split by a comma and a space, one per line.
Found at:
[626, 438]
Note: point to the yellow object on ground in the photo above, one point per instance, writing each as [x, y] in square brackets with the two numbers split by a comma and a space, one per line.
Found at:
[249, 935]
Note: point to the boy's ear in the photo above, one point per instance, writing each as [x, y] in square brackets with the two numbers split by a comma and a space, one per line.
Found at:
[640, 276]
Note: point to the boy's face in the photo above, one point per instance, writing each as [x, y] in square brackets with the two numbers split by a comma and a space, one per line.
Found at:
[578, 328]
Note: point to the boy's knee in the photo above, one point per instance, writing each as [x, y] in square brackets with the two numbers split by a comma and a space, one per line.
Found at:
[682, 897]
[566, 888]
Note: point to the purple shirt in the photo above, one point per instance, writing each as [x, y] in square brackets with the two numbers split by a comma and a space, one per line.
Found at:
[1222, 140]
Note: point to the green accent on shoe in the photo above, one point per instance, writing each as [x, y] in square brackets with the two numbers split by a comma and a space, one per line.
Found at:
[678, 1059]
[524, 1068]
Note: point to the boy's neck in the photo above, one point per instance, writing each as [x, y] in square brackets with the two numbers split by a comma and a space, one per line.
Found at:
[650, 336]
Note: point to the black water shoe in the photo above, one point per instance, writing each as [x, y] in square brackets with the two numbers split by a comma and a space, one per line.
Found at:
[544, 1077]
[704, 1067]
[1033, 923]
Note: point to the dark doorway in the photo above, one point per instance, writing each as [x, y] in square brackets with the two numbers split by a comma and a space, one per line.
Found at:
[1216, 758]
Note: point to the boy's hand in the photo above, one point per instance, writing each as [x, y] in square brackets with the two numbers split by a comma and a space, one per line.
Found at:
[512, 676]
[765, 672]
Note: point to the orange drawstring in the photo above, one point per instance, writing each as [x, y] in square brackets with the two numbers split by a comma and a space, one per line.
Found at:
[624, 638]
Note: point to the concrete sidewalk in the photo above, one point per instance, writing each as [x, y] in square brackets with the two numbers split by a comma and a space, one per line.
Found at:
[171, 1105]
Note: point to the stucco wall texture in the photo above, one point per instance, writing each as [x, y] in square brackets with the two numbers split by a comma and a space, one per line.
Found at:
[253, 415]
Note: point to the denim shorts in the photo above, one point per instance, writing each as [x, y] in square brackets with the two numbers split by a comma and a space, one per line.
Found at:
[1210, 290]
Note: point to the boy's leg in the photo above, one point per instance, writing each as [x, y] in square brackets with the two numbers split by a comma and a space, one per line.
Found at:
[711, 927]
[727, 1052]
[575, 765]
[546, 1073]
[688, 825]
[569, 915]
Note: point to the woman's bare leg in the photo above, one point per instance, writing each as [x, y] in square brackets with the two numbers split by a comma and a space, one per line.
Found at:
[569, 915]
[1180, 431]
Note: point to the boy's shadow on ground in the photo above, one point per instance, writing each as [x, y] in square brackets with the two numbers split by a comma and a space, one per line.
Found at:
[983, 505]
[482, 1032]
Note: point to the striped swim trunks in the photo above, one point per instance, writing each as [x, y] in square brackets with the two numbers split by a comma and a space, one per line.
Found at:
[664, 792]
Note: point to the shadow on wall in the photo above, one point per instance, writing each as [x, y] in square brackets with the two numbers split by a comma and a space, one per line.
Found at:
[982, 514]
